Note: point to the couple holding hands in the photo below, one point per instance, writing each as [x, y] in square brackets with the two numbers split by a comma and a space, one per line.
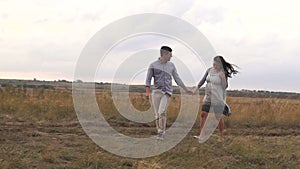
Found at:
[216, 78]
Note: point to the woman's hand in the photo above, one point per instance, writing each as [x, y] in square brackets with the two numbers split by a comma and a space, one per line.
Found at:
[223, 79]
[195, 90]
[222, 75]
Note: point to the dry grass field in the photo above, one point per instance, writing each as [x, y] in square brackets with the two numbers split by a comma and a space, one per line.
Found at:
[39, 129]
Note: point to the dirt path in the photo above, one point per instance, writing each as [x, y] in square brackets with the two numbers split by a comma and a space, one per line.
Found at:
[25, 144]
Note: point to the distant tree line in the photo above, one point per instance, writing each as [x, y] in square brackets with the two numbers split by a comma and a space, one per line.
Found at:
[28, 86]
[141, 88]
[263, 94]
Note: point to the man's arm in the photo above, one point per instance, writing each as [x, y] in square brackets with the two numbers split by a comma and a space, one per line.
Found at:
[148, 81]
[147, 92]
[186, 89]
[179, 81]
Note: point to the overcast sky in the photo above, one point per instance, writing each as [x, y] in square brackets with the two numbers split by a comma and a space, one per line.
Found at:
[44, 39]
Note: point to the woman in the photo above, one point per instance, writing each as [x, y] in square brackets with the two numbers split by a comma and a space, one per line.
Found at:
[215, 93]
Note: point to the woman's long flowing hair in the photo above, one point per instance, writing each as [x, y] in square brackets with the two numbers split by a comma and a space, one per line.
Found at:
[227, 67]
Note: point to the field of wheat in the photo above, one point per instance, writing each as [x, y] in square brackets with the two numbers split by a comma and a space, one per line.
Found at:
[39, 129]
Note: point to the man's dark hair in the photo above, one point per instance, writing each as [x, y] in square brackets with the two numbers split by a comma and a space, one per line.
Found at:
[165, 50]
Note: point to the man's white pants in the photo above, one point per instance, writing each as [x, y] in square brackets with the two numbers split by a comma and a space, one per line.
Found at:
[160, 103]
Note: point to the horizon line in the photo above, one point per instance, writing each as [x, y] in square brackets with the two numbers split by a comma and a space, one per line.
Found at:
[67, 81]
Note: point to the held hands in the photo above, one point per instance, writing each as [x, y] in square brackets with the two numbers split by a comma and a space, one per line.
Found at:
[195, 90]
[189, 91]
[192, 92]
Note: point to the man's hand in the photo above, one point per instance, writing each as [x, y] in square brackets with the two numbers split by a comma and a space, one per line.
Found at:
[189, 91]
[147, 92]
[147, 96]
[195, 90]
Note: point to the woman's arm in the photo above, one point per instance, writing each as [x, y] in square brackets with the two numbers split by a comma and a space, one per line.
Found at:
[223, 80]
[202, 81]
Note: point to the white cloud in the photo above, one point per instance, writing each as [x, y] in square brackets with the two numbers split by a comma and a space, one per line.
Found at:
[46, 37]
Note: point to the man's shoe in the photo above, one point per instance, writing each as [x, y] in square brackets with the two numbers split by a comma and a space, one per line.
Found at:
[160, 136]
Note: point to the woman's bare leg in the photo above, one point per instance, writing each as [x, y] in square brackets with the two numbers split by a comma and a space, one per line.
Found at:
[202, 120]
[221, 129]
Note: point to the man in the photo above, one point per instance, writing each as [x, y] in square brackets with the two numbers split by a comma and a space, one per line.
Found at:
[162, 71]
